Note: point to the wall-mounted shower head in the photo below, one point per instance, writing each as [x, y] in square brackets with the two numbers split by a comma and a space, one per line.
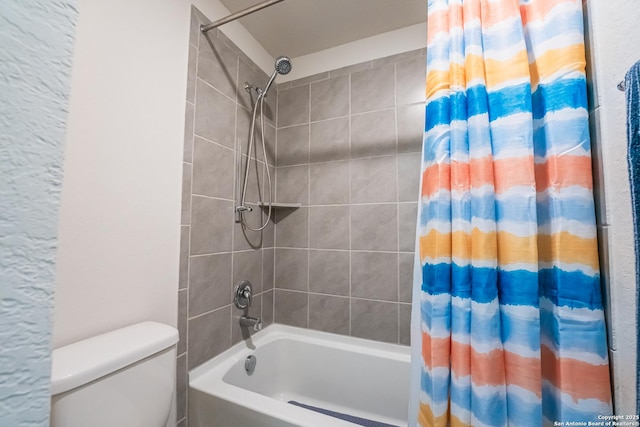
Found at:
[283, 66]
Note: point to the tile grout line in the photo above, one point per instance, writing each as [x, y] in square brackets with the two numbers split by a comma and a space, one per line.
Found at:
[195, 98]
[210, 141]
[361, 113]
[262, 236]
[230, 305]
[366, 65]
[395, 154]
[199, 315]
[298, 291]
[308, 210]
[215, 88]
[275, 225]
[193, 120]
[395, 94]
[204, 196]
[192, 141]
[329, 205]
[350, 329]
[237, 145]
[291, 248]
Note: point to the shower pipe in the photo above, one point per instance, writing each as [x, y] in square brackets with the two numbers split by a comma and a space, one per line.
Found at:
[237, 15]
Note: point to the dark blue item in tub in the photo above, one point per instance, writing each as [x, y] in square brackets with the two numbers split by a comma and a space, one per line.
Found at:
[346, 417]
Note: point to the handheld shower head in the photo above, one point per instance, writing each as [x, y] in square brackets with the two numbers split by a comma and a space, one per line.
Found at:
[283, 66]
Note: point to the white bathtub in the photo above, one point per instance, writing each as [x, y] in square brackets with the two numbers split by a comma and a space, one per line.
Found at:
[348, 375]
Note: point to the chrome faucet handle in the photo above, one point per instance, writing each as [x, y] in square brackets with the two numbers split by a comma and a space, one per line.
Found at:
[243, 295]
[247, 295]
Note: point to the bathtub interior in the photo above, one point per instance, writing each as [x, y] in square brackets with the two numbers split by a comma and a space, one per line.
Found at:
[357, 382]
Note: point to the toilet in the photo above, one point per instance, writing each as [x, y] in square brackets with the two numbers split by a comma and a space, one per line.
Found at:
[123, 378]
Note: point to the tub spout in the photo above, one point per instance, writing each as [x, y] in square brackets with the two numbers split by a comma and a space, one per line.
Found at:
[254, 322]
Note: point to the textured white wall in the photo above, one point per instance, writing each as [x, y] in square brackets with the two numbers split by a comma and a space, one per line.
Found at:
[120, 209]
[615, 46]
[35, 65]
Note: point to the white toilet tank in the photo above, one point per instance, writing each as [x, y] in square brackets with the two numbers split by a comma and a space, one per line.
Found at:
[124, 378]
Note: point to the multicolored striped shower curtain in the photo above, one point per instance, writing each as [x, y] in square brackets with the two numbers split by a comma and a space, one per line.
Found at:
[511, 319]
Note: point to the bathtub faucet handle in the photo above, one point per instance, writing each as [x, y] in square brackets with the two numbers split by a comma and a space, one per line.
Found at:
[243, 295]
[247, 295]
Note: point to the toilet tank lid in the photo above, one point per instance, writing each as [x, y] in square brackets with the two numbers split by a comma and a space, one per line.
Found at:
[84, 361]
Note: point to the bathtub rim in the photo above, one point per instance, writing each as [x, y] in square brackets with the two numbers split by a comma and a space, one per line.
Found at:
[208, 378]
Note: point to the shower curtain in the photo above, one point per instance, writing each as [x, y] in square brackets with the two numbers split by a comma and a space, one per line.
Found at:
[508, 320]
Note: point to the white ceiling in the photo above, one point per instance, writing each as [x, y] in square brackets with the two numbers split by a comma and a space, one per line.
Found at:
[299, 27]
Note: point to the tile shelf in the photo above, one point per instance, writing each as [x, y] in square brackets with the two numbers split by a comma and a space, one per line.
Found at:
[276, 205]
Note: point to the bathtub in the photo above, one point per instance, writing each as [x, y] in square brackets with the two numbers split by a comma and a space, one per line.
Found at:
[361, 378]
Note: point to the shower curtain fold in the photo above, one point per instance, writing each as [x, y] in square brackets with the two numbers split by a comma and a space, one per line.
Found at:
[510, 325]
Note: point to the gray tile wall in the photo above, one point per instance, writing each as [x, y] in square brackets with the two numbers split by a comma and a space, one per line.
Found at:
[348, 149]
[215, 251]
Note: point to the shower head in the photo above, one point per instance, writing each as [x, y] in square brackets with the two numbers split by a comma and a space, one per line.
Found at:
[283, 66]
